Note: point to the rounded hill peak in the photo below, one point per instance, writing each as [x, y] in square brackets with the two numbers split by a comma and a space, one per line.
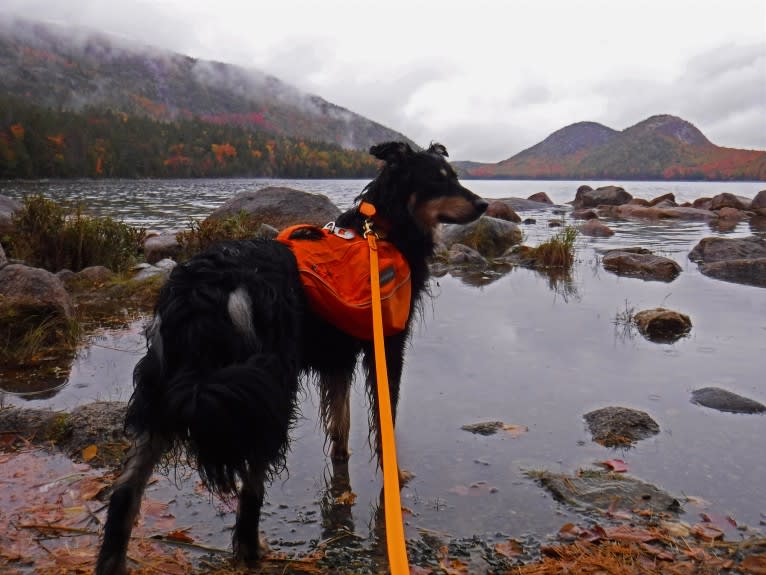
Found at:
[671, 126]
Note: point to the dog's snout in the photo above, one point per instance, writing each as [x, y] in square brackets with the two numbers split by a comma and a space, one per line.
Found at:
[480, 205]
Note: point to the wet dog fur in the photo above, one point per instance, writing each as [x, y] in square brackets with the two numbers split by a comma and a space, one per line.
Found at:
[232, 336]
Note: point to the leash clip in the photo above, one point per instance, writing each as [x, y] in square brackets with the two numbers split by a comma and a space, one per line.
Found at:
[368, 229]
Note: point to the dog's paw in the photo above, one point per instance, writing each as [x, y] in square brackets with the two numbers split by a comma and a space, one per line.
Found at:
[251, 555]
[405, 477]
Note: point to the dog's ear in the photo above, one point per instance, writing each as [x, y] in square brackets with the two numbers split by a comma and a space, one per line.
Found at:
[436, 148]
[392, 152]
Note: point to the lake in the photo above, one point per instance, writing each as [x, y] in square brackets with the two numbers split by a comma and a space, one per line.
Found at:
[519, 349]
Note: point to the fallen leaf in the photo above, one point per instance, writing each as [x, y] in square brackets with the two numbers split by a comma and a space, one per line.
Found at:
[510, 548]
[89, 452]
[616, 465]
[722, 522]
[707, 531]
[754, 564]
[180, 535]
[515, 430]
[628, 534]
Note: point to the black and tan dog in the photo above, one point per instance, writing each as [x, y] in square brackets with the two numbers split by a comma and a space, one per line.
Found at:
[232, 335]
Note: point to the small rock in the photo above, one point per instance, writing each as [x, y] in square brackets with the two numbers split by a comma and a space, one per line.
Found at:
[541, 197]
[620, 426]
[584, 214]
[462, 255]
[727, 401]
[595, 228]
[501, 210]
[669, 198]
[644, 266]
[484, 428]
[716, 249]
[662, 325]
[529, 221]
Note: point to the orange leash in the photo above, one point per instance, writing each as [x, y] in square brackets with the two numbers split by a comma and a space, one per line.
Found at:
[397, 550]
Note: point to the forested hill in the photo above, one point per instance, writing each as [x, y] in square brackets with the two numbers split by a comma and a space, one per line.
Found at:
[38, 142]
[661, 147]
[84, 75]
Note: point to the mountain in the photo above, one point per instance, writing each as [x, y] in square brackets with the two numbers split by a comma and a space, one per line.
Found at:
[70, 70]
[661, 147]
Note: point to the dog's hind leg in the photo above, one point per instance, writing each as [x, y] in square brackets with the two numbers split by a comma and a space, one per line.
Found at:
[335, 411]
[246, 542]
[125, 503]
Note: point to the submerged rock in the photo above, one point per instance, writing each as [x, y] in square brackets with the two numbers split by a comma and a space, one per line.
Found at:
[100, 423]
[641, 265]
[604, 490]
[723, 400]
[620, 426]
[662, 325]
[595, 228]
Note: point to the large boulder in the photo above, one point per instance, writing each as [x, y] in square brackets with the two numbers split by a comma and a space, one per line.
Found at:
[34, 306]
[8, 206]
[716, 249]
[491, 237]
[665, 199]
[737, 260]
[727, 200]
[587, 197]
[634, 211]
[39, 288]
[758, 205]
[639, 265]
[162, 246]
[280, 207]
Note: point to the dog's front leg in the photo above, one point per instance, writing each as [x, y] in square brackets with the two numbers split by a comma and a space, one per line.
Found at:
[247, 544]
[125, 503]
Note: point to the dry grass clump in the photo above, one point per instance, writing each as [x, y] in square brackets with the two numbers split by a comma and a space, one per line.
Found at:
[202, 234]
[557, 252]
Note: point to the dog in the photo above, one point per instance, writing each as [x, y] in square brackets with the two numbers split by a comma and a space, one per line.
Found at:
[232, 337]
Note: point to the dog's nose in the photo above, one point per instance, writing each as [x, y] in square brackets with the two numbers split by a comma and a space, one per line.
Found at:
[480, 205]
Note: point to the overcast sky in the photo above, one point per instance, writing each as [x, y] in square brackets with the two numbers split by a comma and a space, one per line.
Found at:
[486, 78]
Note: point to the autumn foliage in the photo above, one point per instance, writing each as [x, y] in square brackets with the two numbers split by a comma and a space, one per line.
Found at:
[44, 143]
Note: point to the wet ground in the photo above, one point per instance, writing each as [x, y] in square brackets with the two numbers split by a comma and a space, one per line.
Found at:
[524, 350]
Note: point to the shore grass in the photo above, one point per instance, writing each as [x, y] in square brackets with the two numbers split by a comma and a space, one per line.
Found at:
[56, 236]
[557, 252]
[202, 234]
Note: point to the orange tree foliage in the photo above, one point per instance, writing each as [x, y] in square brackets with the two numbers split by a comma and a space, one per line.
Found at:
[43, 143]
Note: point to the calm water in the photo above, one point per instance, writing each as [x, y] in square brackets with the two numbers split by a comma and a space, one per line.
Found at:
[516, 350]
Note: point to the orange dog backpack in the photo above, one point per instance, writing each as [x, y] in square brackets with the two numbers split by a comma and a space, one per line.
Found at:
[334, 265]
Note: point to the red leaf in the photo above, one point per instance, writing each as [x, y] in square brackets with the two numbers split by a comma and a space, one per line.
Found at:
[616, 465]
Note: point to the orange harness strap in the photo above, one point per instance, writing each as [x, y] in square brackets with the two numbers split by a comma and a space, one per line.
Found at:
[397, 550]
